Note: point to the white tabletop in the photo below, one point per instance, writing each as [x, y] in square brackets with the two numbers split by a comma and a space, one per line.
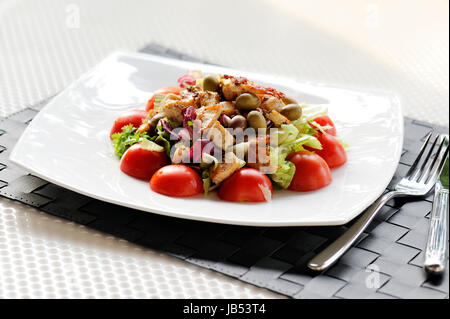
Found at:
[400, 46]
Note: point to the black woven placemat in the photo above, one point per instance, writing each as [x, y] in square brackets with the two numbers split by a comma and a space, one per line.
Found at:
[385, 263]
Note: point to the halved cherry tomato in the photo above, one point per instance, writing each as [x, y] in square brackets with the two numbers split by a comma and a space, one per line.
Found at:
[134, 117]
[176, 181]
[311, 172]
[332, 151]
[166, 90]
[142, 163]
[326, 121]
[246, 185]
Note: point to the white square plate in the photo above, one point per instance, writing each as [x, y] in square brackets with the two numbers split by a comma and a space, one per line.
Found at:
[68, 144]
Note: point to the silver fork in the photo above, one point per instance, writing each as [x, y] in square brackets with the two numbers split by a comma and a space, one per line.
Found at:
[418, 181]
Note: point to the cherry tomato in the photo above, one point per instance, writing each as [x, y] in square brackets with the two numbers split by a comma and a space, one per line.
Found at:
[133, 117]
[142, 163]
[311, 172]
[246, 185]
[326, 121]
[332, 151]
[166, 90]
[176, 181]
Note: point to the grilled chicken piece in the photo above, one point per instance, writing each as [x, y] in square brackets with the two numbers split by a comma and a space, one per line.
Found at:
[227, 168]
[270, 103]
[208, 98]
[220, 136]
[172, 105]
[229, 108]
[230, 89]
[208, 115]
[277, 118]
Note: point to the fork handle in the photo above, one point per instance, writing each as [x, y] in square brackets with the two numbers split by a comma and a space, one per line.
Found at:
[436, 248]
[332, 253]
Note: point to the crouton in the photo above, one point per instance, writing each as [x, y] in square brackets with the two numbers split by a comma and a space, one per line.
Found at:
[223, 170]
[277, 118]
[220, 136]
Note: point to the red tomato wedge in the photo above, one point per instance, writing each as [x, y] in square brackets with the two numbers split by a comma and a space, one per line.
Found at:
[166, 90]
[134, 117]
[326, 121]
[332, 151]
[142, 162]
[246, 185]
[311, 172]
[176, 181]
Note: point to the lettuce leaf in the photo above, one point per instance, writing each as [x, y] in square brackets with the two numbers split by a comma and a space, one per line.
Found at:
[123, 140]
[297, 144]
[286, 134]
[310, 112]
[285, 169]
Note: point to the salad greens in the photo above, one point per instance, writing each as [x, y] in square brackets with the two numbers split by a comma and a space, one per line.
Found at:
[289, 144]
[310, 112]
[129, 136]
[285, 169]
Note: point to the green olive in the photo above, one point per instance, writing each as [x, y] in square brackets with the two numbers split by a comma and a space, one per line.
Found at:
[256, 120]
[238, 122]
[288, 100]
[247, 102]
[292, 111]
[211, 83]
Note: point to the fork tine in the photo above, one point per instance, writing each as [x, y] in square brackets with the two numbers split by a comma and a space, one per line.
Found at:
[418, 172]
[437, 170]
[419, 156]
[429, 161]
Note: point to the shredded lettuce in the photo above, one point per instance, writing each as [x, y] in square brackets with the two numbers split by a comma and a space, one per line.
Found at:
[302, 125]
[310, 112]
[285, 169]
[287, 133]
[297, 145]
[123, 140]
